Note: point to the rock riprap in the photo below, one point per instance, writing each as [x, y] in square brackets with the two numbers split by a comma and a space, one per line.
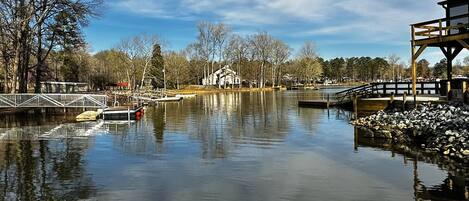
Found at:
[441, 128]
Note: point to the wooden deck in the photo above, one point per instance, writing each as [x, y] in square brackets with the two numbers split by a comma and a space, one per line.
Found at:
[449, 34]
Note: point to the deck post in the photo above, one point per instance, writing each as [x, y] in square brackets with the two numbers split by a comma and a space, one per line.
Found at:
[392, 97]
[404, 100]
[448, 90]
[449, 60]
[464, 91]
[413, 61]
[423, 87]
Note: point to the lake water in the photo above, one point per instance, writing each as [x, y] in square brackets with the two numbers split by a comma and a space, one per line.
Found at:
[233, 146]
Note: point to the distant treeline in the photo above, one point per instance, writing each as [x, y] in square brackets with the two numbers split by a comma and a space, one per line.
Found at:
[260, 59]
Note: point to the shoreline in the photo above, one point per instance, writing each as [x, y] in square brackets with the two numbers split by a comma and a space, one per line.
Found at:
[435, 128]
[215, 90]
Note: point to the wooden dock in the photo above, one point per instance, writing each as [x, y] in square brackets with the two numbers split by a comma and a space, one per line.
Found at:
[366, 106]
[317, 103]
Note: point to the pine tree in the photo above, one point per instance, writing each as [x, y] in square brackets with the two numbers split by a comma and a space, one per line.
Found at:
[157, 67]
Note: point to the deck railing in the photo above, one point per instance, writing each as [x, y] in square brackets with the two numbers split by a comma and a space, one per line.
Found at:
[388, 88]
[53, 101]
[439, 28]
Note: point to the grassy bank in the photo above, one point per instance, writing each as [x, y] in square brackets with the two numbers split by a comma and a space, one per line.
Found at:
[201, 90]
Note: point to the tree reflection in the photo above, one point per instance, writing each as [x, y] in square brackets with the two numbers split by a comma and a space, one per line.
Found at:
[158, 117]
[44, 170]
[454, 187]
[223, 122]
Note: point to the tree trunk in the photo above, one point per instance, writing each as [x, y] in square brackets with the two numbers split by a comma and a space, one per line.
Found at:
[239, 73]
[40, 63]
[144, 72]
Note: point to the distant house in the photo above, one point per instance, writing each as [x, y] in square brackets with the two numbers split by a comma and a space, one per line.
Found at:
[222, 77]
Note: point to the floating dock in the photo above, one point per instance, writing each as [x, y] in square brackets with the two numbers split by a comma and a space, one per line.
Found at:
[169, 99]
[185, 96]
[123, 113]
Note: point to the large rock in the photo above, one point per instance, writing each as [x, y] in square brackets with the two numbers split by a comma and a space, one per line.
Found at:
[442, 128]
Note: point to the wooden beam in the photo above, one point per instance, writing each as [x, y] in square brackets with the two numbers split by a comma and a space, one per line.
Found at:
[456, 52]
[413, 62]
[443, 39]
[445, 52]
[463, 43]
[449, 65]
[420, 51]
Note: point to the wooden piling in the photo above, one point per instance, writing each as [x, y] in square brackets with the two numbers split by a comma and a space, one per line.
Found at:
[355, 106]
[328, 101]
[404, 100]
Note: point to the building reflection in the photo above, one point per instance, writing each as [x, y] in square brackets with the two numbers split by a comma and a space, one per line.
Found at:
[454, 187]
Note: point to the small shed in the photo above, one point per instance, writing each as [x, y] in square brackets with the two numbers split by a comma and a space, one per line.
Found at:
[64, 87]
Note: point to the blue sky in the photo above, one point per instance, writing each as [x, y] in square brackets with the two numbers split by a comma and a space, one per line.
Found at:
[340, 28]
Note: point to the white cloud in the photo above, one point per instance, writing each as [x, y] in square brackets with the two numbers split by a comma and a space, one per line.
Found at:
[243, 12]
[352, 21]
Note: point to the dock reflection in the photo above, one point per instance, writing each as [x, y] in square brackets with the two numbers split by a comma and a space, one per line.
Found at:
[454, 187]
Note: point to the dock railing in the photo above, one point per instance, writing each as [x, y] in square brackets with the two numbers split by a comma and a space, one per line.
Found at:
[439, 28]
[53, 101]
[388, 88]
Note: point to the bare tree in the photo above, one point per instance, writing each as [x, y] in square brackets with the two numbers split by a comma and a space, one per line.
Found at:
[146, 42]
[236, 51]
[206, 45]
[308, 63]
[130, 57]
[393, 61]
[220, 35]
[280, 54]
[194, 55]
[177, 67]
[261, 45]
[138, 53]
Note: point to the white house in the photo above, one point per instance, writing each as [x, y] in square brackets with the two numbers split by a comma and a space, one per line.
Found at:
[222, 77]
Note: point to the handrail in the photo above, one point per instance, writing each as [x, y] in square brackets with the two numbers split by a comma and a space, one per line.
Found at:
[438, 20]
[380, 86]
[25, 100]
[352, 89]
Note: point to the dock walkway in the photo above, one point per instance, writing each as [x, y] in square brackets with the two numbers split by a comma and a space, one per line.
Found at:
[53, 101]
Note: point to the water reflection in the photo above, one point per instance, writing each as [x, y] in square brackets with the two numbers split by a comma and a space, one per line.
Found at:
[44, 170]
[233, 146]
[453, 187]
